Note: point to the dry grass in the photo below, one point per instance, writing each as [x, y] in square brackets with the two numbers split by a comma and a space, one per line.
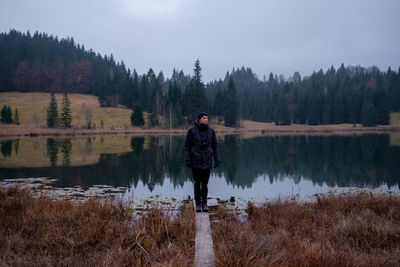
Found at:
[395, 118]
[361, 230]
[395, 139]
[48, 233]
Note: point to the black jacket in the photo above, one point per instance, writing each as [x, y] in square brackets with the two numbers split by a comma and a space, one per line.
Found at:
[200, 146]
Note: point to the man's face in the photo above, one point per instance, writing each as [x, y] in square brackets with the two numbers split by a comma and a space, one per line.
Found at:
[204, 120]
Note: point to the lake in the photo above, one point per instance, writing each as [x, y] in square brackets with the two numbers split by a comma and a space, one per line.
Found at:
[259, 167]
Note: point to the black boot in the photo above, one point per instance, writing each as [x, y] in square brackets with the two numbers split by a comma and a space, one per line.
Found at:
[198, 207]
[204, 207]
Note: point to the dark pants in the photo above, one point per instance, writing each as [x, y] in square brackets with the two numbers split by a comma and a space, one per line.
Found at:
[201, 178]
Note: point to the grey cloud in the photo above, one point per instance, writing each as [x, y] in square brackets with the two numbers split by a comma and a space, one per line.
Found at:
[268, 36]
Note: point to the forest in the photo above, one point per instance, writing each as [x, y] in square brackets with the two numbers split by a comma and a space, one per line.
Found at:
[349, 94]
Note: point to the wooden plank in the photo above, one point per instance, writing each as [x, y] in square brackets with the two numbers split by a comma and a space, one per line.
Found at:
[204, 251]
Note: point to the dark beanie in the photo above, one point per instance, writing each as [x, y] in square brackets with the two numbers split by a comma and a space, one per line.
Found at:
[201, 114]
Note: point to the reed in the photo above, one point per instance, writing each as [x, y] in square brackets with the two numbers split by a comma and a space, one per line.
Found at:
[45, 232]
[361, 230]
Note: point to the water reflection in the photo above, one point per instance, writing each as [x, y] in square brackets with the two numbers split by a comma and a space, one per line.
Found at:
[137, 144]
[52, 151]
[6, 148]
[66, 147]
[365, 161]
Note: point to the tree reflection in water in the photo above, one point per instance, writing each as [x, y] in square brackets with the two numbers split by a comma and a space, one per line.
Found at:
[52, 151]
[6, 148]
[365, 161]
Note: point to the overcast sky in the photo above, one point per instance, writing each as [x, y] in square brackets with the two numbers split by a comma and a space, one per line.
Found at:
[280, 36]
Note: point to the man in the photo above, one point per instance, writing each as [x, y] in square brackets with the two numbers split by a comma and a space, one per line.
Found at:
[200, 147]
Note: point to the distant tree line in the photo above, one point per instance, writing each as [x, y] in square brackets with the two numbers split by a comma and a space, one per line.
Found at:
[346, 95]
[7, 117]
[42, 62]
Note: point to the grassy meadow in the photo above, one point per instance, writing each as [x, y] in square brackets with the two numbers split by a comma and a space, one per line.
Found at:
[32, 108]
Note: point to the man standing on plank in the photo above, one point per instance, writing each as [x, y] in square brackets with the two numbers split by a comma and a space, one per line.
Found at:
[200, 147]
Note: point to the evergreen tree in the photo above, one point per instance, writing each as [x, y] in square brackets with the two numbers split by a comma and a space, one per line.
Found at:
[394, 90]
[219, 104]
[52, 112]
[382, 105]
[282, 114]
[369, 114]
[174, 93]
[16, 117]
[231, 105]
[66, 116]
[174, 105]
[143, 93]
[157, 99]
[137, 116]
[195, 97]
[6, 114]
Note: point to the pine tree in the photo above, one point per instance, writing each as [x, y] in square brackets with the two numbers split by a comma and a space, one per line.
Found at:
[195, 99]
[137, 116]
[282, 114]
[52, 112]
[175, 116]
[156, 105]
[218, 107]
[16, 117]
[143, 93]
[231, 105]
[66, 117]
[6, 114]
[369, 114]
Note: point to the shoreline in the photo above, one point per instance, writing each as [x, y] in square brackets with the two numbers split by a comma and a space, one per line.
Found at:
[258, 130]
[45, 186]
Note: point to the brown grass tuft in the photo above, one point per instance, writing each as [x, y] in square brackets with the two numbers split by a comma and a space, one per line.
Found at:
[362, 230]
[46, 232]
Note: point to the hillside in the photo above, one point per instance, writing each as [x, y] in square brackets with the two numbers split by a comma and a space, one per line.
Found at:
[32, 109]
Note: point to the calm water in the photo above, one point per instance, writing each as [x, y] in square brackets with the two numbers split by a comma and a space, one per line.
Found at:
[258, 167]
